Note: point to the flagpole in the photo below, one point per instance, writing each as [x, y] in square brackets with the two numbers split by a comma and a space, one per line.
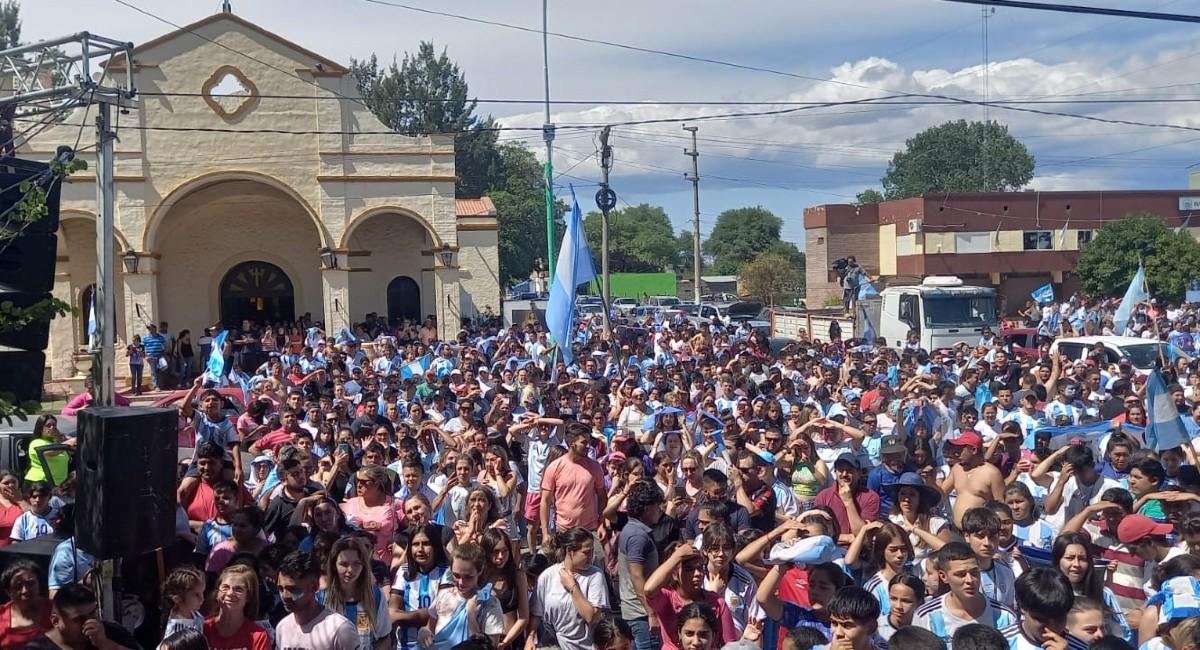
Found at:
[1162, 358]
[548, 136]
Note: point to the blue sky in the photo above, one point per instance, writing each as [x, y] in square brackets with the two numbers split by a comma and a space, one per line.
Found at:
[864, 48]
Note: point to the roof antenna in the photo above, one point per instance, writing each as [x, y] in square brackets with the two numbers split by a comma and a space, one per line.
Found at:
[225, 7]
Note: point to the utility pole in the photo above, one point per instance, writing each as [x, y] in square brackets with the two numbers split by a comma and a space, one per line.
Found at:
[605, 206]
[694, 154]
[106, 284]
[606, 200]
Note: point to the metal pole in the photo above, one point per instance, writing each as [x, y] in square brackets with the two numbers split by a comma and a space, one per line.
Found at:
[106, 322]
[548, 136]
[694, 154]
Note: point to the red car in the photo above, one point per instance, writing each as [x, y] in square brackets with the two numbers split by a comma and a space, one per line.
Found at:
[1024, 340]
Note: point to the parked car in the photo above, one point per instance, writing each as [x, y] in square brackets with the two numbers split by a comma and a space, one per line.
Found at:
[704, 312]
[664, 301]
[624, 306]
[1143, 354]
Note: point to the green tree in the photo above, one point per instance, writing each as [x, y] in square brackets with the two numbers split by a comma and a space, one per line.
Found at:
[959, 156]
[1110, 260]
[768, 276]
[640, 239]
[521, 203]
[685, 254]
[739, 236]
[10, 24]
[427, 93]
[869, 195]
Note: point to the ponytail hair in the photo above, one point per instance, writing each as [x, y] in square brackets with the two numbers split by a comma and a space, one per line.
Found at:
[571, 539]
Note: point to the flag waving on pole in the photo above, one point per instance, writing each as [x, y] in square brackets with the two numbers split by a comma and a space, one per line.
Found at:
[574, 268]
[1133, 295]
[1043, 294]
[216, 358]
[868, 335]
[92, 342]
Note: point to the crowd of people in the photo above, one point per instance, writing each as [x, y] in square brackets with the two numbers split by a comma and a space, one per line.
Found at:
[674, 484]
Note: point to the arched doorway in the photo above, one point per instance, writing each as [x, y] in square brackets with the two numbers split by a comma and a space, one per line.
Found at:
[257, 291]
[403, 299]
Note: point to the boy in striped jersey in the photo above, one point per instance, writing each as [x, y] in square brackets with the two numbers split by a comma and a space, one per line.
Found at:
[965, 603]
[1044, 597]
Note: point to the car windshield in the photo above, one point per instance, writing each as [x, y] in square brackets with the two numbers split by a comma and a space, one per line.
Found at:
[690, 310]
[1144, 355]
[952, 311]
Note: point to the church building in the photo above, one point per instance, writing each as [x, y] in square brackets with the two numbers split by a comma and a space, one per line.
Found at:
[253, 184]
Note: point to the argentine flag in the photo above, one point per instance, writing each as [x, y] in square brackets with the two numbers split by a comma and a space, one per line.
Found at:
[1133, 295]
[216, 358]
[1043, 294]
[415, 368]
[574, 268]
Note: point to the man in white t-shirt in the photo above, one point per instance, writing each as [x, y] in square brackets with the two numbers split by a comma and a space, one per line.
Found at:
[309, 625]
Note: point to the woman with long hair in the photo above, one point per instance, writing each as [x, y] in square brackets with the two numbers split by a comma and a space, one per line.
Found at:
[233, 626]
[572, 594]
[887, 552]
[1072, 555]
[350, 591]
[509, 583]
[497, 475]
[726, 578]
[913, 504]
[417, 582]
[45, 432]
[320, 515]
[691, 467]
[26, 615]
[1029, 527]
[697, 628]
[374, 509]
[12, 504]
[482, 513]
[809, 473]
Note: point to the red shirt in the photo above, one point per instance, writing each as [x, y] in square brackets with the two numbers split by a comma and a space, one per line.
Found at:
[248, 637]
[866, 500]
[275, 440]
[12, 638]
[8, 517]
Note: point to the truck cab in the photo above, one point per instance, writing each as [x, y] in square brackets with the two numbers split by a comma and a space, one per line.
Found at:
[942, 310]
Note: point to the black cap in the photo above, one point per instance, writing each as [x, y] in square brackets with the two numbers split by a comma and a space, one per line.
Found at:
[891, 444]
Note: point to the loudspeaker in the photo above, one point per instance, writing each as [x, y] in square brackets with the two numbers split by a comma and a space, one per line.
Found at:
[22, 373]
[125, 503]
[27, 262]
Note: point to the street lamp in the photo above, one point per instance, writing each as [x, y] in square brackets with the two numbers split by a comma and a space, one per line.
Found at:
[446, 255]
[130, 260]
[328, 258]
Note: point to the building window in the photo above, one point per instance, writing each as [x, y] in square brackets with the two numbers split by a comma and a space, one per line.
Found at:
[1084, 237]
[1039, 240]
[820, 240]
[973, 242]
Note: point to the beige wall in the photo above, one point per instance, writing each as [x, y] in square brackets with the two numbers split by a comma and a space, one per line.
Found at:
[887, 249]
[479, 272]
[395, 243]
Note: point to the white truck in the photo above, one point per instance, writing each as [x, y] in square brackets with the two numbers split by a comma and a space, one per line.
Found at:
[942, 310]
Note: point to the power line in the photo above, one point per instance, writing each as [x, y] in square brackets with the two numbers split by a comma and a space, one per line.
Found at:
[1080, 9]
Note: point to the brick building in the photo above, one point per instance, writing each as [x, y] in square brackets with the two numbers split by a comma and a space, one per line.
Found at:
[1014, 241]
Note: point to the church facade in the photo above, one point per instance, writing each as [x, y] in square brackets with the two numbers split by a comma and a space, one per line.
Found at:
[252, 184]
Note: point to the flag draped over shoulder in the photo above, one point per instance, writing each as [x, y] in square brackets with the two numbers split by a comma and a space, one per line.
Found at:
[574, 268]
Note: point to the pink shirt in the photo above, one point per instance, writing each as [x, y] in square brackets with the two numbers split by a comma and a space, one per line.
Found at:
[385, 519]
[667, 604]
[575, 488]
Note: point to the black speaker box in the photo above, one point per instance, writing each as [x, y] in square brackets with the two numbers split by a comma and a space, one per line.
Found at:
[125, 503]
[21, 373]
[27, 263]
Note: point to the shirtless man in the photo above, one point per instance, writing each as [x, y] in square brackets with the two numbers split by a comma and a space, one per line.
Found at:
[976, 480]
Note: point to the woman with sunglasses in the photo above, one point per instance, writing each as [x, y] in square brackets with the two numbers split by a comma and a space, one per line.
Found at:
[46, 433]
[809, 474]
[373, 509]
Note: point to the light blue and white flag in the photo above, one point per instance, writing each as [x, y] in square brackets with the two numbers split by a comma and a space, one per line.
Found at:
[91, 332]
[241, 380]
[1043, 294]
[868, 335]
[313, 335]
[867, 289]
[345, 336]
[216, 358]
[1164, 429]
[1133, 295]
[574, 268]
[415, 368]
